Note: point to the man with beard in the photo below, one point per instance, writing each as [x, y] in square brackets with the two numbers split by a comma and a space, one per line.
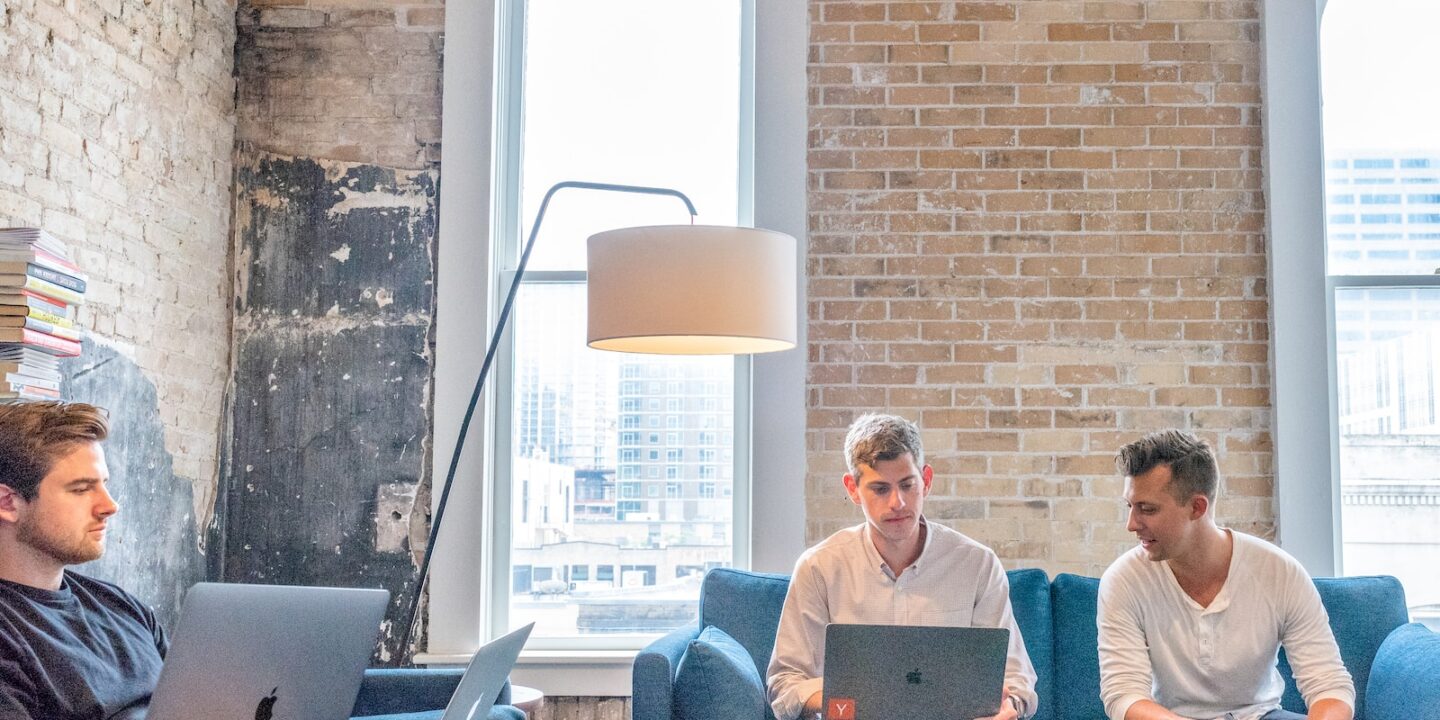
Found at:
[71, 647]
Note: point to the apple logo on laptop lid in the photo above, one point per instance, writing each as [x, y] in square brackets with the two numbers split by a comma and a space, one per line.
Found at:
[266, 709]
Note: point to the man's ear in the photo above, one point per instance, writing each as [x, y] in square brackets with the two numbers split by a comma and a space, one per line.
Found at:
[927, 474]
[1199, 505]
[10, 503]
[852, 488]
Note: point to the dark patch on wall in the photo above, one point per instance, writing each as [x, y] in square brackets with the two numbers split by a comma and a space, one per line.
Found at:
[330, 409]
[153, 546]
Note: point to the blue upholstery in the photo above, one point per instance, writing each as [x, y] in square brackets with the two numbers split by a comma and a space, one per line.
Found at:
[747, 607]
[717, 680]
[1074, 599]
[1403, 678]
[1057, 620]
[418, 694]
[1030, 599]
[1362, 610]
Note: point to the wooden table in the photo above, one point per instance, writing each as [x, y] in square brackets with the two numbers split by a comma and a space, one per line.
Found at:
[528, 699]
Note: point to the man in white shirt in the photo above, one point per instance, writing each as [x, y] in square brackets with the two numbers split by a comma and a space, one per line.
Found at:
[893, 569]
[1191, 620]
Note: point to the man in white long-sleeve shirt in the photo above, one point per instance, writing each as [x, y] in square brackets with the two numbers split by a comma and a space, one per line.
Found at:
[1192, 620]
[894, 569]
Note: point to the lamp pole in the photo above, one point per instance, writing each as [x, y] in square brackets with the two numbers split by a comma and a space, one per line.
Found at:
[412, 610]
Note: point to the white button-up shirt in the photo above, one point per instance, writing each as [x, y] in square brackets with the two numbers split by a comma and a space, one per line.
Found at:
[955, 582]
[1158, 644]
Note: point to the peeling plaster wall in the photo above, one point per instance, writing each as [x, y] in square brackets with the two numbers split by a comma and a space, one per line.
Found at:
[337, 156]
[152, 549]
[331, 402]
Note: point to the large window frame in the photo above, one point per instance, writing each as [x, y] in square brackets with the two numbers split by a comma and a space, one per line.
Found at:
[1305, 402]
[458, 617]
[510, 230]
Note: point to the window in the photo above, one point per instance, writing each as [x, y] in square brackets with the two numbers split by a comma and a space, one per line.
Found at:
[678, 70]
[1386, 302]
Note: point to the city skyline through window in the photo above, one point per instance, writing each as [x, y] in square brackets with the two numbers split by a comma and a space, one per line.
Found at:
[628, 460]
[1382, 177]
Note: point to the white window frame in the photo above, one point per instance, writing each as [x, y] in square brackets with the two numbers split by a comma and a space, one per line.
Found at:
[1302, 400]
[1302, 322]
[457, 612]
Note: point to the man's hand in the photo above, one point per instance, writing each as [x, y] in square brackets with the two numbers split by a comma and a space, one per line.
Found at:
[1150, 710]
[1330, 709]
[1008, 711]
[812, 705]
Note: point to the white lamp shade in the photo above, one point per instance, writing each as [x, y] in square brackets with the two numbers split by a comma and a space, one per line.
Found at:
[692, 290]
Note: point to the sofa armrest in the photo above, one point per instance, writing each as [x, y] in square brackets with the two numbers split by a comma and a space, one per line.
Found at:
[1405, 677]
[653, 675]
[391, 691]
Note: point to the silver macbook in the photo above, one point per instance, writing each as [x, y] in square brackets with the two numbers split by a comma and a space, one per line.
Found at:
[268, 652]
[918, 673]
[485, 675]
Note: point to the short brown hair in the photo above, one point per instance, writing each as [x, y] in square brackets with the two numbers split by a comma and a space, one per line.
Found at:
[875, 437]
[1190, 459]
[33, 435]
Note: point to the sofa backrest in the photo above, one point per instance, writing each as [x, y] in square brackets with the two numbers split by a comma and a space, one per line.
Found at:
[1363, 610]
[746, 605]
[1030, 599]
[1077, 656]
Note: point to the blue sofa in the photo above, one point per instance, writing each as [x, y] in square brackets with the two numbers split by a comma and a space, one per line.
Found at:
[418, 694]
[1395, 663]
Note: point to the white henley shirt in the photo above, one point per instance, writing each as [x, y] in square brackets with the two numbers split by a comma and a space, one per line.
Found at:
[1158, 644]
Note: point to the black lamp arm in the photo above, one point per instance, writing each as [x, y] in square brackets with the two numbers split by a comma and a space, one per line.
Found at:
[412, 611]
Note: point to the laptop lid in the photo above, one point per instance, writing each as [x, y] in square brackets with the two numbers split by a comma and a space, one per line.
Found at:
[268, 652]
[485, 675]
[920, 673]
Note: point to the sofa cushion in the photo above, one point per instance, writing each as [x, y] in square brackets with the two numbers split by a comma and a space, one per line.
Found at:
[1363, 611]
[1030, 599]
[1074, 602]
[717, 680]
[1405, 679]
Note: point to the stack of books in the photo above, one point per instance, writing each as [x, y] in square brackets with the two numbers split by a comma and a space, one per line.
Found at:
[39, 290]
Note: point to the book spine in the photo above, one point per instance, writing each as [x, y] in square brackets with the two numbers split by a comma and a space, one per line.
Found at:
[54, 276]
[58, 263]
[29, 392]
[51, 290]
[67, 333]
[49, 306]
[59, 321]
[50, 344]
[17, 379]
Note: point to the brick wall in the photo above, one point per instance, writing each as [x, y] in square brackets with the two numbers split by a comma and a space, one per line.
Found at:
[1036, 227]
[116, 124]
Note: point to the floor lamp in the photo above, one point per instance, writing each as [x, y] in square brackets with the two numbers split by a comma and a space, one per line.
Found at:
[671, 290]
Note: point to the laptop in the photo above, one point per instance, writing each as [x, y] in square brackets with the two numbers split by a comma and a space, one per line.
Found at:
[268, 652]
[918, 673]
[485, 676]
